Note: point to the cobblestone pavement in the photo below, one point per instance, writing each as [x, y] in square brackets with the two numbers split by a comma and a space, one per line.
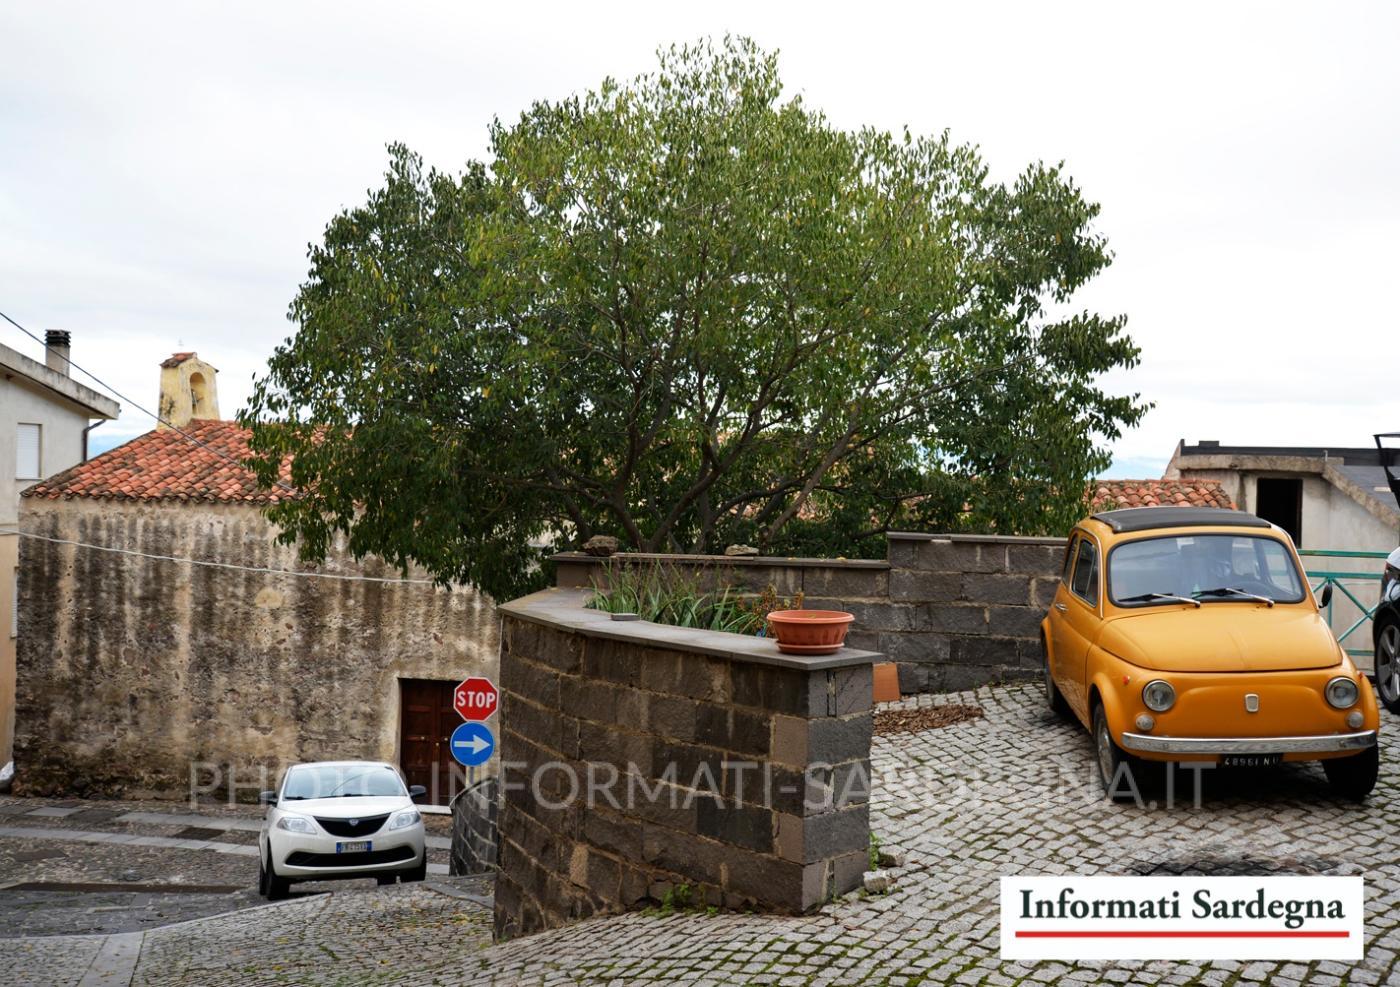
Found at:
[1013, 793]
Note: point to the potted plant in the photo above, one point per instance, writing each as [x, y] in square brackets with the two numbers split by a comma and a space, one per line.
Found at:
[809, 632]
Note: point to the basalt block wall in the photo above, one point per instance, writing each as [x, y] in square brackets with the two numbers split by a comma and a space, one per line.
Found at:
[474, 831]
[968, 608]
[637, 772]
[954, 611]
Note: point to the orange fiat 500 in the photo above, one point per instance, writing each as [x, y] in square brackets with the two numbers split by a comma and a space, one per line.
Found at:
[1190, 634]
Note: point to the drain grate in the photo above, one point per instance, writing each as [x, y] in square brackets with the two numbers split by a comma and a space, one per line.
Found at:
[200, 833]
[72, 887]
[1236, 865]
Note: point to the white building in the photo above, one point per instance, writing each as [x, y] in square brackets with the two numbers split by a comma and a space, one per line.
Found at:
[1334, 502]
[45, 417]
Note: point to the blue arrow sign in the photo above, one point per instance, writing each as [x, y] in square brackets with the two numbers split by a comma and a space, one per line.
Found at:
[472, 744]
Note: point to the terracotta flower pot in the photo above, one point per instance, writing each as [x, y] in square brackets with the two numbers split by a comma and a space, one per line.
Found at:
[809, 632]
[886, 686]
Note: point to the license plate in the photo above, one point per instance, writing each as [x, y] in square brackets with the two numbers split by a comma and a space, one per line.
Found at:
[359, 846]
[1250, 760]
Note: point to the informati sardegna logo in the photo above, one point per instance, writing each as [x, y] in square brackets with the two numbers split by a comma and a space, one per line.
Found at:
[1182, 918]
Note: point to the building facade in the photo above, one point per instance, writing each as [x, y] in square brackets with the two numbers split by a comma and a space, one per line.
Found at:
[1325, 498]
[171, 645]
[1334, 502]
[45, 417]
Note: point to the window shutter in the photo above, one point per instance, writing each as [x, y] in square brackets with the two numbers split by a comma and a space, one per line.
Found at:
[27, 447]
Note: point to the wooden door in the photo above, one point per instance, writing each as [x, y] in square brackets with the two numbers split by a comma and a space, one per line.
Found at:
[426, 720]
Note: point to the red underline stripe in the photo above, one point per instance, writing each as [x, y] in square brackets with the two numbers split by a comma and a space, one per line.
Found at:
[1184, 934]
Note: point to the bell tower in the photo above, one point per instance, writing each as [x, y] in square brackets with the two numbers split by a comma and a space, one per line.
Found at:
[188, 391]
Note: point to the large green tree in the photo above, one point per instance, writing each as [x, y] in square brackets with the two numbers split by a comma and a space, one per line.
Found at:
[687, 311]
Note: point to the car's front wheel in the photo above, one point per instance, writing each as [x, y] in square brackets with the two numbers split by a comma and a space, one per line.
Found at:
[1117, 768]
[270, 886]
[1353, 777]
[418, 873]
[1388, 665]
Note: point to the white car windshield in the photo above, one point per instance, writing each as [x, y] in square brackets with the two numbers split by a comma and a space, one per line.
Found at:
[1203, 568]
[322, 781]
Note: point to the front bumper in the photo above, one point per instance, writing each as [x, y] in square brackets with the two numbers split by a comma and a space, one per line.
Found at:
[1210, 746]
[298, 855]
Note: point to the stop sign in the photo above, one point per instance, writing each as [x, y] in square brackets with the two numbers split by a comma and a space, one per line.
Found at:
[476, 698]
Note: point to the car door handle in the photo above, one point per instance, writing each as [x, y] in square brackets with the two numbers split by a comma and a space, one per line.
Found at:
[1061, 607]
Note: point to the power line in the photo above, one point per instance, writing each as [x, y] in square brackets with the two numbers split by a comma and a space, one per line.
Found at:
[172, 558]
[216, 565]
[112, 390]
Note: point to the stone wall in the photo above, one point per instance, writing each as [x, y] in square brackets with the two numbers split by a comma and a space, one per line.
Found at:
[134, 671]
[644, 763]
[474, 839]
[965, 610]
[954, 611]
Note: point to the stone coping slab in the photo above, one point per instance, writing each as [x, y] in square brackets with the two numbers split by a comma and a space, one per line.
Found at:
[992, 539]
[564, 609]
[777, 561]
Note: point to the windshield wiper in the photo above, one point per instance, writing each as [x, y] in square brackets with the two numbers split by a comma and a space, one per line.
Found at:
[1146, 597]
[336, 791]
[1232, 591]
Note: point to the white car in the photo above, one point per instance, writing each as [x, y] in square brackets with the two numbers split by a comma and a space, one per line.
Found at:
[339, 819]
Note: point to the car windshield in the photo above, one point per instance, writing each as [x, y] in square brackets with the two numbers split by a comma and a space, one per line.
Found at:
[1203, 568]
[321, 781]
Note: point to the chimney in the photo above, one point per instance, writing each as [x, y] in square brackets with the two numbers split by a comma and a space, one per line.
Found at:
[187, 391]
[57, 346]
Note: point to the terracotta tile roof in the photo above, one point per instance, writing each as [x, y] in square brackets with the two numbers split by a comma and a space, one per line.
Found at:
[1107, 495]
[175, 359]
[164, 465]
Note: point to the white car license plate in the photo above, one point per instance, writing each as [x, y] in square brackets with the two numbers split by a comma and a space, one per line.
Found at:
[359, 846]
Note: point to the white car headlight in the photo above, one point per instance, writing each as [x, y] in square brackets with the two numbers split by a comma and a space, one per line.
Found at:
[297, 824]
[1342, 692]
[1158, 696]
[404, 819]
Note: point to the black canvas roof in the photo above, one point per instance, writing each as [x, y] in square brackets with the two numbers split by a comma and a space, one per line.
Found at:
[1147, 518]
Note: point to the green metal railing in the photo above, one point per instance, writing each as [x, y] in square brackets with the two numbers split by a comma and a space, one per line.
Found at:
[1334, 579]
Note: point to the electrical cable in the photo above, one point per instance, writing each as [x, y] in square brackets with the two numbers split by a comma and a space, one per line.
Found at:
[214, 565]
[173, 558]
[146, 411]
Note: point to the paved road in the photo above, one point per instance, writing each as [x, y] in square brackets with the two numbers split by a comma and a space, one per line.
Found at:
[1011, 793]
[71, 867]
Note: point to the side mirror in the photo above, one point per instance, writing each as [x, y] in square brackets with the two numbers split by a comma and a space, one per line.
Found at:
[416, 791]
[1325, 597]
[268, 798]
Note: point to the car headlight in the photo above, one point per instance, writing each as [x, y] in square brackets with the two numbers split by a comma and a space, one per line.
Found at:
[404, 819]
[1159, 696]
[1341, 692]
[297, 824]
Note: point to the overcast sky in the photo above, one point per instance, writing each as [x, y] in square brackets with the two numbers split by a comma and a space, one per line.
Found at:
[165, 166]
